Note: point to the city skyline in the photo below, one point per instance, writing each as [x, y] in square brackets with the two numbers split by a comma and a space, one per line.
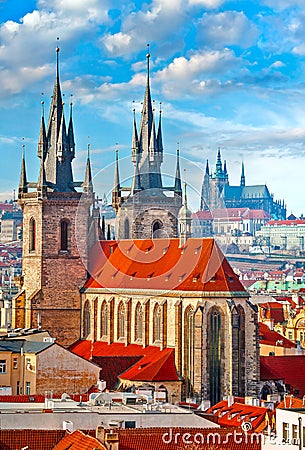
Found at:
[231, 77]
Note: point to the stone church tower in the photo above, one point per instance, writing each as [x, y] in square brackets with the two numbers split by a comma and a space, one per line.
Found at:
[150, 209]
[58, 223]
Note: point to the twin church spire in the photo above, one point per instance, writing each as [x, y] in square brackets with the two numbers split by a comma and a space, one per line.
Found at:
[146, 152]
[56, 149]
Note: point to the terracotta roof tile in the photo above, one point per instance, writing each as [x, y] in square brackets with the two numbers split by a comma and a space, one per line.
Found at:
[161, 264]
[79, 441]
[288, 368]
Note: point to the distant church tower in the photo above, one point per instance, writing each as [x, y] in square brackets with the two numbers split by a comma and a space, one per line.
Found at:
[54, 253]
[150, 209]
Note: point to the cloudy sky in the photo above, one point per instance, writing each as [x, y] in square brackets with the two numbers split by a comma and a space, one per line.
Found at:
[229, 74]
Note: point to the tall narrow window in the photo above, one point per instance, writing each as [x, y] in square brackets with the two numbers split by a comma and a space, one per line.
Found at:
[121, 321]
[138, 322]
[104, 319]
[157, 229]
[189, 349]
[215, 356]
[64, 235]
[32, 235]
[86, 320]
[126, 229]
[157, 323]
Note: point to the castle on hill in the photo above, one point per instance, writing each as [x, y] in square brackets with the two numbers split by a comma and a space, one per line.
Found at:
[217, 193]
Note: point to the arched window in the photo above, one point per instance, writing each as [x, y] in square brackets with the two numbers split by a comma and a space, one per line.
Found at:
[241, 352]
[157, 229]
[188, 333]
[157, 323]
[32, 235]
[104, 319]
[126, 229]
[138, 322]
[215, 353]
[64, 228]
[121, 321]
[86, 320]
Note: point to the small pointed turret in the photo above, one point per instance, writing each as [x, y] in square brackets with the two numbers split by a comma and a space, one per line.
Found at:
[207, 169]
[225, 171]
[88, 185]
[116, 193]
[242, 177]
[23, 181]
[205, 189]
[177, 187]
[135, 150]
[71, 141]
[42, 143]
[185, 220]
[159, 134]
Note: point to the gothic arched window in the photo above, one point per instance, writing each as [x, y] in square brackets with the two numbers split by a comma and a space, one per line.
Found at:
[86, 320]
[215, 354]
[126, 229]
[32, 235]
[104, 319]
[157, 229]
[138, 322]
[121, 320]
[64, 228]
[157, 323]
[189, 348]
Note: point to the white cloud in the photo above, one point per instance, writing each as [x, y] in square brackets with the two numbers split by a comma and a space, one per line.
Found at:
[207, 3]
[226, 28]
[117, 43]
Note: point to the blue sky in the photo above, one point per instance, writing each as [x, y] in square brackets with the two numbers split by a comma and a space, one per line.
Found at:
[229, 74]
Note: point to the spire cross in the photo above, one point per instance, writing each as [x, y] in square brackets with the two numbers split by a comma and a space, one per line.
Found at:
[57, 58]
[148, 56]
[42, 104]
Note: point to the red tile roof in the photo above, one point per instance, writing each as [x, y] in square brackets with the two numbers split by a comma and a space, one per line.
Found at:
[31, 439]
[163, 265]
[291, 402]
[272, 310]
[238, 413]
[288, 368]
[79, 441]
[147, 364]
[286, 222]
[270, 337]
[185, 438]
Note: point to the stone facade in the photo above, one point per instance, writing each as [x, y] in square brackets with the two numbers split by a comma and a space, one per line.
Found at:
[52, 277]
[184, 325]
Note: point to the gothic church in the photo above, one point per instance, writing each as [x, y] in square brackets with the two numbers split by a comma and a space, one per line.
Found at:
[155, 291]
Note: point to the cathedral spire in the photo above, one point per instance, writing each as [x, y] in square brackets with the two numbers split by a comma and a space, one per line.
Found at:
[218, 164]
[242, 177]
[177, 187]
[59, 155]
[23, 180]
[207, 169]
[147, 113]
[116, 193]
[87, 185]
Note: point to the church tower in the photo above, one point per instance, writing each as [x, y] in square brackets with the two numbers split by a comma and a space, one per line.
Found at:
[149, 209]
[58, 222]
